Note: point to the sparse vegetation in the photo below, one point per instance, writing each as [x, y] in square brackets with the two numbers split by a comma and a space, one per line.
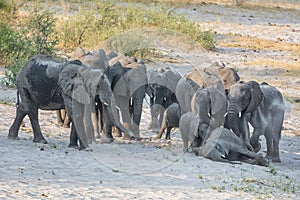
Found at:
[90, 25]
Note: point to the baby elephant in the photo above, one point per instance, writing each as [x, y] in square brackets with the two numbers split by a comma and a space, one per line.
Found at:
[225, 146]
[193, 129]
[170, 120]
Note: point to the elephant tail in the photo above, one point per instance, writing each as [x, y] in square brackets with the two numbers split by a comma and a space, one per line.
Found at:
[18, 99]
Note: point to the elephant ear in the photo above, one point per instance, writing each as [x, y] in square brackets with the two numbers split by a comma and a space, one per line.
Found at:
[120, 87]
[256, 96]
[218, 101]
[194, 128]
[80, 82]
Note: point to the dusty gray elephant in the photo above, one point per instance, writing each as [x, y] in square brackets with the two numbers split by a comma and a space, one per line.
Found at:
[170, 120]
[96, 59]
[39, 87]
[227, 75]
[263, 107]
[211, 106]
[191, 82]
[129, 85]
[161, 90]
[225, 146]
[193, 129]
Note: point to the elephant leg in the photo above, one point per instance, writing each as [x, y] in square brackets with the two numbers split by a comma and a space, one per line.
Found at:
[88, 124]
[73, 138]
[254, 140]
[168, 134]
[37, 133]
[107, 126]
[60, 120]
[67, 120]
[185, 142]
[14, 129]
[77, 119]
[161, 131]
[250, 154]
[154, 121]
[137, 103]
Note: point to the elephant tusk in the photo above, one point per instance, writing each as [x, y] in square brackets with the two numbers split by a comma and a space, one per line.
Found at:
[226, 114]
[223, 156]
[209, 115]
[106, 104]
[240, 114]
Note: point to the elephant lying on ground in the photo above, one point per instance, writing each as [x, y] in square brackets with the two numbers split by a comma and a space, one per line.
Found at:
[225, 146]
[47, 84]
[170, 120]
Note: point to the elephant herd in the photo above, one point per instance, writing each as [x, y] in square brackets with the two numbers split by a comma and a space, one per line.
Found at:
[104, 93]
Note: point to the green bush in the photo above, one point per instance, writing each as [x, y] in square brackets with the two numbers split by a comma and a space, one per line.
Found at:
[19, 44]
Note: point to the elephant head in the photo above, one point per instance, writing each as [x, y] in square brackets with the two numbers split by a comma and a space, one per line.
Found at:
[210, 104]
[192, 129]
[244, 98]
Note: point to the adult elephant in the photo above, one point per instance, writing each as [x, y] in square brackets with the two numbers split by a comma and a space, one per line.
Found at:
[262, 105]
[191, 82]
[47, 84]
[161, 90]
[96, 59]
[129, 85]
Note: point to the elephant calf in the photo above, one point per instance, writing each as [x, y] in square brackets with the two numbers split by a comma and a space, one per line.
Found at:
[170, 120]
[225, 146]
[193, 129]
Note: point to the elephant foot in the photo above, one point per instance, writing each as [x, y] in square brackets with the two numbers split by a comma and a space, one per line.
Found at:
[75, 146]
[60, 124]
[12, 137]
[256, 147]
[40, 140]
[85, 149]
[106, 140]
[276, 160]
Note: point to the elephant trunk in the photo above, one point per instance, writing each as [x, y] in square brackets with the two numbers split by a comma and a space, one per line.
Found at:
[204, 113]
[113, 114]
[233, 116]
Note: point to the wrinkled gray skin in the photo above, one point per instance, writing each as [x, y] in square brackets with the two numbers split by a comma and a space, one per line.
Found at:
[39, 87]
[129, 88]
[94, 59]
[170, 120]
[263, 107]
[225, 146]
[161, 90]
[193, 129]
[210, 104]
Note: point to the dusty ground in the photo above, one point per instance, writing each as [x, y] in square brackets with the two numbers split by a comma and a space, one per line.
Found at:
[158, 169]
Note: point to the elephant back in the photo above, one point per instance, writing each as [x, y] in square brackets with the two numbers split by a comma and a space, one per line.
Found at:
[195, 76]
[228, 75]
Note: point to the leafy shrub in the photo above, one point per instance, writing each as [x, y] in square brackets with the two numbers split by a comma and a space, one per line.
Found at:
[18, 44]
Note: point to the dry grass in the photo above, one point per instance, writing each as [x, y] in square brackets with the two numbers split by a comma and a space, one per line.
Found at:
[289, 66]
[248, 42]
[244, 3]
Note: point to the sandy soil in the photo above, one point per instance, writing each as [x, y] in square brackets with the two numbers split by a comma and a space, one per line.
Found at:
[158, 169]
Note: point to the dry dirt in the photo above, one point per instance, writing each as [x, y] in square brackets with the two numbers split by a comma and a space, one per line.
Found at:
[158, 169]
